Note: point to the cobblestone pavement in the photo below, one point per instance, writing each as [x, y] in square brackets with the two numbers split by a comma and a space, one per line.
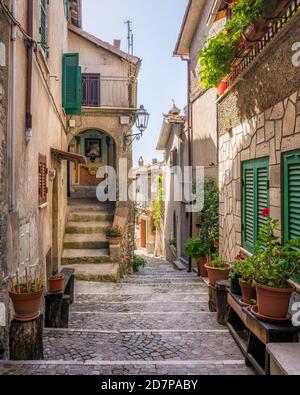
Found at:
[154, 322]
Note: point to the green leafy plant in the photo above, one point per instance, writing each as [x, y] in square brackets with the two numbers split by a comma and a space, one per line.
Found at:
[220, 50]
[219, 263]
[274, 263]
[137, 263]
[245, 269]
[158, 205]
[173, 242]
[113, 231]
[197, 247]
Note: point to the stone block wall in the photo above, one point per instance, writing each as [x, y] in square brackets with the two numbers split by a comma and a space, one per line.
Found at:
[269, 134]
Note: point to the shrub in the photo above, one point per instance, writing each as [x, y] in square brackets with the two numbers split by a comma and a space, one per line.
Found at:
[137, 263]
[219, 263]
[197, 247]
[113, 231]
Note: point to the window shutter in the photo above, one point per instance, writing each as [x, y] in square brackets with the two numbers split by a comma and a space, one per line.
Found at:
[255, 199]
[67, 9]
[291, 163]
[44, 26]
[43, 172]
[71, 84]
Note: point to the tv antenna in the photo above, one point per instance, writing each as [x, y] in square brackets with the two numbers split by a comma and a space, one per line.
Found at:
[129, 37]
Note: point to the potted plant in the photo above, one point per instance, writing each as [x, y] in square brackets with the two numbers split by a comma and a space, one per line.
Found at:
[275, 264]
[56, 282]
[217, 269]
[199, 248]
[247, 274]
[113, 235]
[26, 295]
[235, 275]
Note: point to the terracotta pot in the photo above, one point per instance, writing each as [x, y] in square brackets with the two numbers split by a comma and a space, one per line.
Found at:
[26, 306]
[248, 292]
[56, 284]
[114, 240]
[202, 272]
[273, 302]
[215, 274]
[222, 87]
[235, 285]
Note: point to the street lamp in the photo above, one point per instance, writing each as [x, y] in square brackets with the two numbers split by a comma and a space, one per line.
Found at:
[141, 120]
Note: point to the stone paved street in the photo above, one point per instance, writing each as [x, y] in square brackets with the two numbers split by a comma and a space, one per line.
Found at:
[154, 322]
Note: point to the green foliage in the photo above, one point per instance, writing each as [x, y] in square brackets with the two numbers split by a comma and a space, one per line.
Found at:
[244, 269]
[210, 212]
[219, 263]
[274, 263]
[113, 231]
[158, 205]
[173, 242]
[220, 50]
[137, 263]
[197, 247]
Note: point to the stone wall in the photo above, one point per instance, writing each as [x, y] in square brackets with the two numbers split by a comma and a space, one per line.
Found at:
[4, 40]
[269, 134]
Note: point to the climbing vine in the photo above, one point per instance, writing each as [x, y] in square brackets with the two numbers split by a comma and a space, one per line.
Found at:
[220, 50]
[158, 205]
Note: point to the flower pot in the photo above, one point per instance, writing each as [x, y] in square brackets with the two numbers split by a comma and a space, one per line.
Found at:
[216, 244]
[114, 240]
[202, 272]
[56, 284]
[248, 292]
[273, 302]
[222, 87]
[27, 305]
[235, 285]
[215, 274]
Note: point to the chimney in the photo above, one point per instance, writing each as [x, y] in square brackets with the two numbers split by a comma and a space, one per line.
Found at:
[117, 44]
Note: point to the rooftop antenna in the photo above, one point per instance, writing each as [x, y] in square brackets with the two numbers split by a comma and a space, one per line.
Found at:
[129, 37]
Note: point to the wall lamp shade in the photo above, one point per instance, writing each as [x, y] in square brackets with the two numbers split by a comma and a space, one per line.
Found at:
[142, 119]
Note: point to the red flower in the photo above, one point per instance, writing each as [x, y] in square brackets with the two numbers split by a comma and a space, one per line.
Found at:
[265, 212]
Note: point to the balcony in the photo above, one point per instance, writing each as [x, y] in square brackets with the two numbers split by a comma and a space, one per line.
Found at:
[115, 92]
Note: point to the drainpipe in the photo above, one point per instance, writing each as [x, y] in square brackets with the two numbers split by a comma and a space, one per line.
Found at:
[190, 140]
[12, 113]
[28, 120]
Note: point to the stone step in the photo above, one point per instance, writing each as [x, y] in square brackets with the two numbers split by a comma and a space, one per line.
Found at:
[73, 257]
[90, 217]
[115, 368]
[86, 227]
[162, 280]
[144, 321]
[90, 241]
[136, 307]
[125, 346]
[106, 272]
[84, 192]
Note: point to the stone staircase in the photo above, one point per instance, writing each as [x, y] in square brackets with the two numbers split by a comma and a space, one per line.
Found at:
[85, 246]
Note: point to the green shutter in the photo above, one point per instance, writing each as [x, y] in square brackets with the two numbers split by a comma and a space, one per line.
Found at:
[291, 195]
[71, 95]
[44, 25]
[255, 197]
[67, 9]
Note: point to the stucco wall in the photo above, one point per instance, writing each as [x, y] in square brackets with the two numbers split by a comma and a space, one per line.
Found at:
[4, 40]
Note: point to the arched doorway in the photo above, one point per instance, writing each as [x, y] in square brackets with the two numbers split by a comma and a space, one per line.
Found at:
[99, 150]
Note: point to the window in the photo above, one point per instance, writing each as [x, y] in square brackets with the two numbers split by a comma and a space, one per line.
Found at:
[71, 84]
[91, 90]
[44, 26]
[255, 197]
[43, 172]
[291, 195]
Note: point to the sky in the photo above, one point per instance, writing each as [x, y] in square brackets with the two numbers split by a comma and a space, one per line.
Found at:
[163, 78]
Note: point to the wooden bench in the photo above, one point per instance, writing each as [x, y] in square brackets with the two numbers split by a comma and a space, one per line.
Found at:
[57, 304]
[253, 335]
[284, 359]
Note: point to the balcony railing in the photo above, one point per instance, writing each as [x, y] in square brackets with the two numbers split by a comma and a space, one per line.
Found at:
[100, 91]
[253, 48]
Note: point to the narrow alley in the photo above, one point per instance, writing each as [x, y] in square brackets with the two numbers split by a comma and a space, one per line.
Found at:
[154, 322]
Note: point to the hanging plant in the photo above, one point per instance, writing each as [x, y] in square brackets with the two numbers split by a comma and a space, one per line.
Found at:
[220, 50]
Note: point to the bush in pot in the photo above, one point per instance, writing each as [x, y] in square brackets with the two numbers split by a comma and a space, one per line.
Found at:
[235, 275]
[198, 248]
[246, 270]
[56, 282]
[114, 235]
[275, 264]
[217, 269]
[26, 295]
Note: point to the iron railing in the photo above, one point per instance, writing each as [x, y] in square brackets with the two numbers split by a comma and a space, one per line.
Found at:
[275, 25]
[100, 91]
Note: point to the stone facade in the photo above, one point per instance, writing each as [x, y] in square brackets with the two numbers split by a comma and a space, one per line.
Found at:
[4, 42]
[269, 134]
[258, 117]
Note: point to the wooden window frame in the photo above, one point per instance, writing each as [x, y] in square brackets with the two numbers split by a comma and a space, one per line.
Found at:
[255, 165]
[44, 29]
